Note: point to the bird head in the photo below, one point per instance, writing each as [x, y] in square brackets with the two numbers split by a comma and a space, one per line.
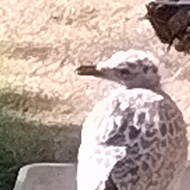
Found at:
[132, 68]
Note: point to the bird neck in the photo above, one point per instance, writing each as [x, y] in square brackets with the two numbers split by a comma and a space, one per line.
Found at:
[158, 89]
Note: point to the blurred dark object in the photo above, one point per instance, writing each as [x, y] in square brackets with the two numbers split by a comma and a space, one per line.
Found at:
[171, 22]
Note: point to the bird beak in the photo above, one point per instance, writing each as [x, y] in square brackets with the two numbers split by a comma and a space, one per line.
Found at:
[87, 70]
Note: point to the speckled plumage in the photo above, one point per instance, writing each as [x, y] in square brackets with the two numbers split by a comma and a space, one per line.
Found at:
[133, 140]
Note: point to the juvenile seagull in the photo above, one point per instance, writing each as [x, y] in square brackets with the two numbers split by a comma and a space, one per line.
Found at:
[136, 138]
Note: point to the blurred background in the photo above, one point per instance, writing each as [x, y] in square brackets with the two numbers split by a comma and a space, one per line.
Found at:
[42, 102]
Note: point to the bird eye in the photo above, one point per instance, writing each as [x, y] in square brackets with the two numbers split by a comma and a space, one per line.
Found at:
[153, 68]
[125, 72]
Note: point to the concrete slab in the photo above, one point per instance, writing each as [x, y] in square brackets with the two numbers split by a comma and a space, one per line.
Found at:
[47, 176]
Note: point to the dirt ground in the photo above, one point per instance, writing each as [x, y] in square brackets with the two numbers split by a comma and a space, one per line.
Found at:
[42, 42]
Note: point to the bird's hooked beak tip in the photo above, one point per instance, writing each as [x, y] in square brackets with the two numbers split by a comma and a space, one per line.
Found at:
[86, 70]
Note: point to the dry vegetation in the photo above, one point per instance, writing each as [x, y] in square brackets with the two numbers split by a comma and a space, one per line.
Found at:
[41, 43]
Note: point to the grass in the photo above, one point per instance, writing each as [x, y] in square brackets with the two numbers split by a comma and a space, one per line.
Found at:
[23, 143]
